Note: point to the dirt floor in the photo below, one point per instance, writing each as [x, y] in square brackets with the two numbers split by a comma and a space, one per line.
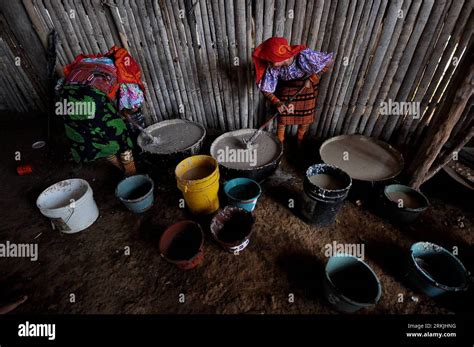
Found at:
[285, 255]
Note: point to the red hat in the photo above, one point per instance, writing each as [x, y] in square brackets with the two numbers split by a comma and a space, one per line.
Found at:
[274, 50]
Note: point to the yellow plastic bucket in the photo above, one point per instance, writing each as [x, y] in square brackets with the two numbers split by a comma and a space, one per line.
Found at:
[198, 179]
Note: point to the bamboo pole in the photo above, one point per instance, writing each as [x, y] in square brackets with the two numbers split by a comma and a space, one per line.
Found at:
[75, 20]
[466, 120]
[63, 16]
[399, 53]
[181, 54]
[15, 93]
[347, 42]
[323, 44]
[315, 20]
[376, 64]
[306, 23]
[280, 16]
[423, 51]
[114, 12]
[422, 87]
[316, 37]
[96, 26]
[334, 44]
[63, 41]
[256, 40]
[45, 18]
[194, 62]
[199, 39]
[172, 74]
[454, 48]
[268, 19]
[38, 24]
[389, 60]
[290, 13]
[226, 66]
[364, 55]
[130, 26]
[278, 29]
[241, 40]
[89, 34]
[27, 72]
[250, 44]
[386, 125]
[127, 16]
[446, 156]
[17, 89]
[210, 49]
[439, 134]
[355, 60]
[19, 77]
[233, 58]
[109, 32]
[174, 58]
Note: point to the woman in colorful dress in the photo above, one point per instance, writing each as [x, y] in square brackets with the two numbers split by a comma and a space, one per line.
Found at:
[110, 86]
[281, 72]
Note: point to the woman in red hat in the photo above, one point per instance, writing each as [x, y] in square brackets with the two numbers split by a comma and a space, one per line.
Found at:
[281, 71]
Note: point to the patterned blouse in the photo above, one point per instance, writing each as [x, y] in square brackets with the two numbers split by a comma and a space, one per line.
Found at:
[130, 95]
[306, 63]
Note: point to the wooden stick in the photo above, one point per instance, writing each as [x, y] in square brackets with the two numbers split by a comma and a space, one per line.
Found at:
[410, 17]
[448, 26]
[377, 64]
[347, 42]
[193, 60]
[365, 127]
[96, 26]
[435, 93]
[181, 54]
[446, 156]
[206, 75]
[308, 13]
[268, 19]
[354, 63]
[336, 44]
[387, 124]
[423, 51]
[210, 49]
[164, 105]
[439, 134]
[86, 25]
[364, 55]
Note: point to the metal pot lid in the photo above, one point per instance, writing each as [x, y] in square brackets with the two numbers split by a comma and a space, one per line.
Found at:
[363, 158]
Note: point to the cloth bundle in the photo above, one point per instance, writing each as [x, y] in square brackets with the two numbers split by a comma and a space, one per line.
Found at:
[115, 73]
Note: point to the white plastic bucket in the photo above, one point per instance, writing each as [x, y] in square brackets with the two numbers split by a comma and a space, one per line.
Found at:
[69, 205]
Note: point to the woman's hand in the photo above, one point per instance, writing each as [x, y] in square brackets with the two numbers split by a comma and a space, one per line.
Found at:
[282, 109]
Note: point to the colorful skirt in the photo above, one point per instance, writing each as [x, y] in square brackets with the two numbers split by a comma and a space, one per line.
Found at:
[304, 104]
[92, 123]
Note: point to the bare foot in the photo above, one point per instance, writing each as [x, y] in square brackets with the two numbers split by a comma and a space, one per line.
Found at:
[10, 307]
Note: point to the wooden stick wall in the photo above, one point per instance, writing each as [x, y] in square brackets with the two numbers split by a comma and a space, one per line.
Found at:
[196, 55]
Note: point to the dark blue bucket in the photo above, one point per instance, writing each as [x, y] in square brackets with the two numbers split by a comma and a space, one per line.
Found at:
[136, 193]
[350, 284]
[403, 204]
[325, 189]
[243, 193]
[436, 271]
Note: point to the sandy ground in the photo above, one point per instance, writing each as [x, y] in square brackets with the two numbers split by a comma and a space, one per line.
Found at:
[285, 255]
